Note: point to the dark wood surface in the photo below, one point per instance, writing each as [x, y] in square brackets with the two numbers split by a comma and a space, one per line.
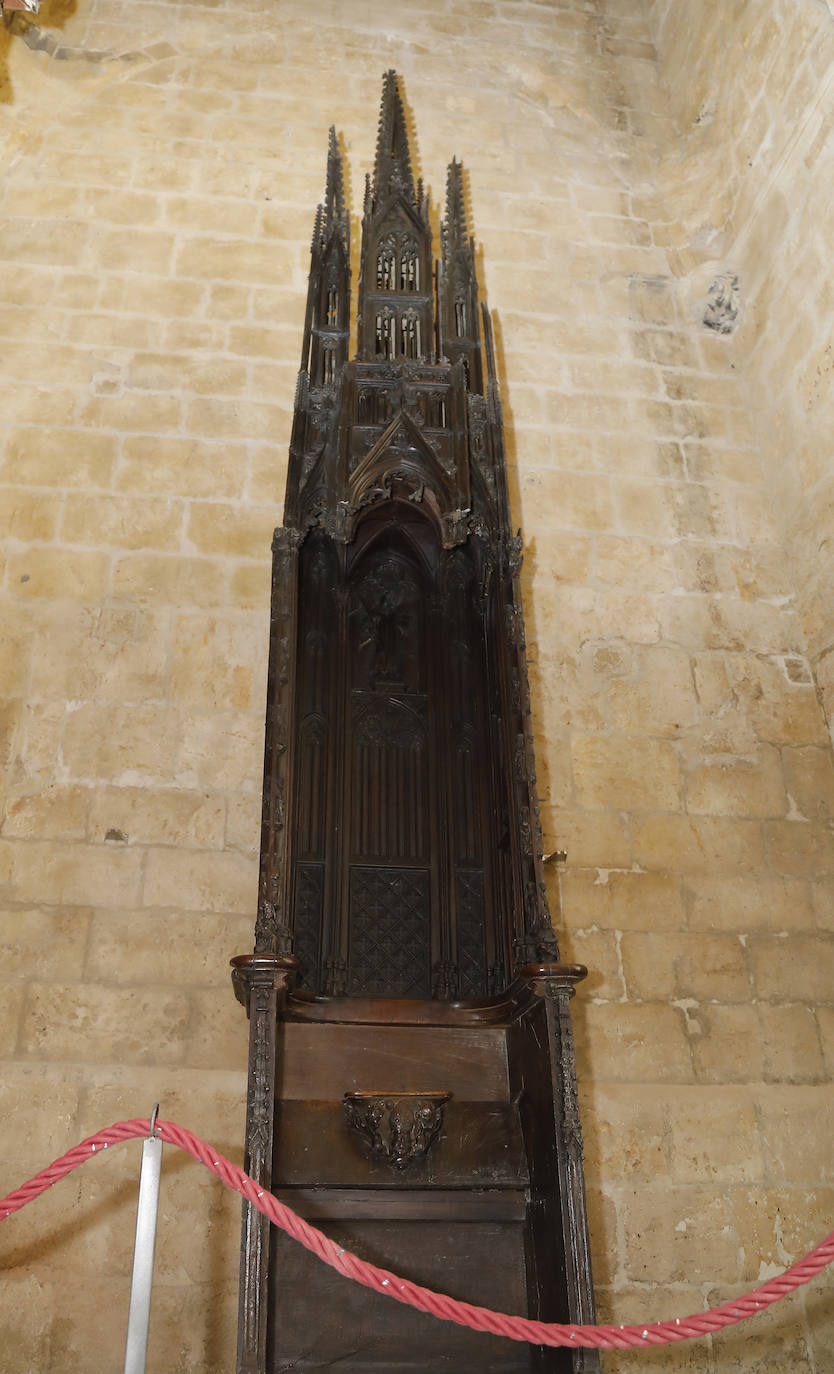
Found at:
[401, 869]
[401, 847]
[334, 1060]
[406, 1204]
[323, 1322]
[480, 1146]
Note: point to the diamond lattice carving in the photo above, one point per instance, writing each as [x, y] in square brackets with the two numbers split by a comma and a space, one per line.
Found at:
[471, 961]
[309, 888]
[389, 932]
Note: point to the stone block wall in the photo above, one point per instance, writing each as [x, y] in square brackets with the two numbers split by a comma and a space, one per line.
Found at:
[751, 90]
[162, 163]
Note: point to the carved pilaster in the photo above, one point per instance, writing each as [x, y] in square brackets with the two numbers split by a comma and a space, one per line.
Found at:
[272, 930]
[261, 983]
[556, 985]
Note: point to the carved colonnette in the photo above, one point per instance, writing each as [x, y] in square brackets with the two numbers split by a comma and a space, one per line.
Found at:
[261, 983]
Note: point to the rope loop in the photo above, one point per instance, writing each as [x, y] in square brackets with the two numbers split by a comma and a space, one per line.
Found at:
[412, 1294]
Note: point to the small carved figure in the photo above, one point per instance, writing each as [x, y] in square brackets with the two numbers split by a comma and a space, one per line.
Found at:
[387, 621]
[721, 310]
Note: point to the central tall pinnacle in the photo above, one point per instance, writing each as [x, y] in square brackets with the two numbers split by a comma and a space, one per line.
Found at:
[392, 169]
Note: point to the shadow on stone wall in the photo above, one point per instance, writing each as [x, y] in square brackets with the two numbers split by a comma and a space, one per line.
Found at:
[16, 24]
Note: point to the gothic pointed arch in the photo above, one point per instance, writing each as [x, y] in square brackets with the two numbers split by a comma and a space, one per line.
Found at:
[402, 453]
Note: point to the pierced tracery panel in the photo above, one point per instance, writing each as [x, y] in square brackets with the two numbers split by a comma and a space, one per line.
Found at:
[389, 932]
[472, 977]
[410, 267]
[386, 334]
[410, 334]
[386, 265]
[309, 889]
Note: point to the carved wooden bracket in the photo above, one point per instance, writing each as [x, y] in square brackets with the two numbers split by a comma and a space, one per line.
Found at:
[396, 1127]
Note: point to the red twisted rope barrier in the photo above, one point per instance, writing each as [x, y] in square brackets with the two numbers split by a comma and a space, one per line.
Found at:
[424, 1299]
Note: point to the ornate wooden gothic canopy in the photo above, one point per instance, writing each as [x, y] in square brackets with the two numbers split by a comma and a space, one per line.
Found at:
[402, 900]
[401, 843]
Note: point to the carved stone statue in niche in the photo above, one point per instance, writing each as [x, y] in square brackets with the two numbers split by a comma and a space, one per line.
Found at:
[404, 952]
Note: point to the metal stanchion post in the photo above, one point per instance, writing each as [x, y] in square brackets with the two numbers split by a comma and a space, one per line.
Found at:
[140, 1284]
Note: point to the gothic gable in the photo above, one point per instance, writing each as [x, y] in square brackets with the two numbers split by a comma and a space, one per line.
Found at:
[402, 455]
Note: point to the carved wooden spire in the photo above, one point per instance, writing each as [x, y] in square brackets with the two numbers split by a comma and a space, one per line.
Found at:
[335, 216]
[396, 298]
[457, 285]
[330, 275]
[453, 228]
[392, 169]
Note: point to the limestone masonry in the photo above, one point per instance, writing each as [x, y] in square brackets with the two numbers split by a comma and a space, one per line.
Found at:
[652, 187]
